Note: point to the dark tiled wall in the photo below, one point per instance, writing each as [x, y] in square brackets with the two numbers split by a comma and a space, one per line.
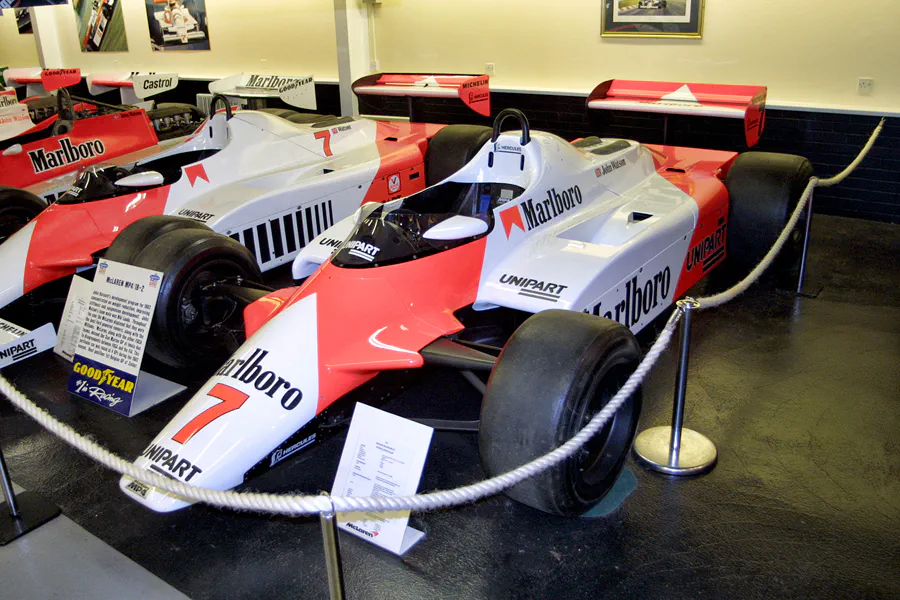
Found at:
[830, 141]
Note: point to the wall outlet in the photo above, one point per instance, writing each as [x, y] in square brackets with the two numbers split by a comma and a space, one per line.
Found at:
[489, 68]
[373, 66]
[866, 85]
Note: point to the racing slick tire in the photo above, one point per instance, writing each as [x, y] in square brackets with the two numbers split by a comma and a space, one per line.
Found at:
[134, 238]
[451, 148]
[763, 190]
[555, 373]
[17, 208]
[189, 328]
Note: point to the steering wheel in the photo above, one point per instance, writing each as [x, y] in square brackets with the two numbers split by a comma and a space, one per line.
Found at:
[520, 116]
[215, 100]
[65, 109]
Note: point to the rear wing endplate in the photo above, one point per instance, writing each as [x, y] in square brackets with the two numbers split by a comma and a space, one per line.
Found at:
[41, 82]
[133, 87]
[296, 91]
[747, 102]
[473, 90]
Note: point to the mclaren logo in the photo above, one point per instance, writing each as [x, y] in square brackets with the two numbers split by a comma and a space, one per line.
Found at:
[67, 154]
[538, 212]
[356, 527]
[252, 372]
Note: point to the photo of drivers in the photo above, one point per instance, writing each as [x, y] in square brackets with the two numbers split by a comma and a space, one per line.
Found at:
[178, 24]
[101, 27]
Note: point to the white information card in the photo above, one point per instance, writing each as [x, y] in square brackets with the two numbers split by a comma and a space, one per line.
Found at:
[384, 455]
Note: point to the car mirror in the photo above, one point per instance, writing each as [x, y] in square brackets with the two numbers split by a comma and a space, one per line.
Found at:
[145, 179]
[456, 227]
[13, 150]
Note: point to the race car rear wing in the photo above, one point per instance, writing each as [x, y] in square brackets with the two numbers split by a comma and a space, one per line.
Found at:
[296, 91]
[473, 90]
[41, 82]
[133, 87]
[747, 102]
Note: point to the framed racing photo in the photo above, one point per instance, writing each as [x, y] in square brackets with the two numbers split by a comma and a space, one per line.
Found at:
[177, 24]
[653, 18]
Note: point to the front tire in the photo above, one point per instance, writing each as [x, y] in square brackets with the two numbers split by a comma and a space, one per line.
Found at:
[17, 208]
[191, 327]
[555, 373]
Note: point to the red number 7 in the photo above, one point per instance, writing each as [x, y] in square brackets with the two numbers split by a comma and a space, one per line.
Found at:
[325, 135]
[231, 398]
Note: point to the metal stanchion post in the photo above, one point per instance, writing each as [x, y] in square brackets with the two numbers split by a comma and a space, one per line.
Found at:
[676, 450]
[328, 521]
[809, 214]
[26, 512]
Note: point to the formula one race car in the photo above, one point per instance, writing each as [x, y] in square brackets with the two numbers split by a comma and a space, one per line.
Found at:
[606, 231]
[60, 135]
[652, 4]
[272, 180]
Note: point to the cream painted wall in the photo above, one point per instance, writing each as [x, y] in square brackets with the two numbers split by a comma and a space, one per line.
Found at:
[15, 50]
[808, 52]
[288, 37]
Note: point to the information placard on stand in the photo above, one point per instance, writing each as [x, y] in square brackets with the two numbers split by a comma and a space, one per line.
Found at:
[384, 455]
[109, 330]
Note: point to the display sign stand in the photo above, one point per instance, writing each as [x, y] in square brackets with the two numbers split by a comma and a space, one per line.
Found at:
[384, 455]
[103, 332]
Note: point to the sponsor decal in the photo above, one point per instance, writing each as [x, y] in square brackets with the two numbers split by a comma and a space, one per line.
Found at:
[9, 327]
[19, 351]
[252, 372]
[534, 288]
[195, 215]
[394, 183]
[510, 148]
[8, 100]
[708, 251]
[138, 488]
[282, 84]
[356, 527]
[640, 298]
[67, 154]
[538, 212]
[332, 242]
[153, 84]
[282, 453]
[168, 463]
[362, 250]
[154, 280]
[609, 167]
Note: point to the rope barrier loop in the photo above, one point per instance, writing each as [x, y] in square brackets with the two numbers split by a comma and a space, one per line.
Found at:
[287, 504]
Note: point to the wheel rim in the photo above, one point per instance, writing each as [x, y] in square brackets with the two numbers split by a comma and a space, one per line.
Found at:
[603, 455]
[208, 326]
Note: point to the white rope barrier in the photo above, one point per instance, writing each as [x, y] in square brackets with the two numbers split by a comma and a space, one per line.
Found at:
[288, 504]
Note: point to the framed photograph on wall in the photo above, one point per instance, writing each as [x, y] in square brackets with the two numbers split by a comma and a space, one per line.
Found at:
[653, 18]
[101, 27]
[178, 24]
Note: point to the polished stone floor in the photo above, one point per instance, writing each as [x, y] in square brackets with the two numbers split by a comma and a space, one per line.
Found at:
[801, 396]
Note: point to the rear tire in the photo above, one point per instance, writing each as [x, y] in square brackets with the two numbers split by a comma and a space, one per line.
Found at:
[451, 149]
[763, 189]
[555, 373]
[17, 208]
[190, 328]
[134, 238]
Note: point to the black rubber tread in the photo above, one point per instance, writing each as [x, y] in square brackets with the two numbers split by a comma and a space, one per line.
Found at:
[451, 148]
[17, 208]
[182, 255]
[763, 189]
[537, 398]
[132, 240]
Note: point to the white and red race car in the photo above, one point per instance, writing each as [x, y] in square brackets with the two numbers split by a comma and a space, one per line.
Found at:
[271, 182]
[609, 232]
